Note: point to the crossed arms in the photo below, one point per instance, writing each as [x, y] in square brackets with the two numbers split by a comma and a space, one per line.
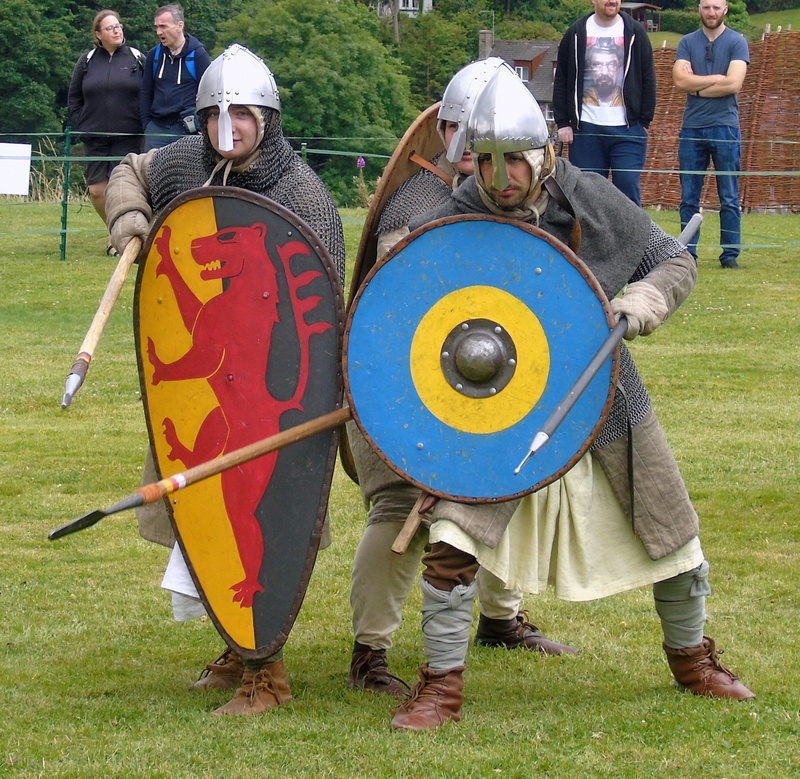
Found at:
[715, 85]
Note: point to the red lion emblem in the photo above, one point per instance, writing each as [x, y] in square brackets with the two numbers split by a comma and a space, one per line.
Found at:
[231, 338]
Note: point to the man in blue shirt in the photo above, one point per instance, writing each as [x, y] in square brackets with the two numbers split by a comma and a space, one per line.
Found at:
[710, 66]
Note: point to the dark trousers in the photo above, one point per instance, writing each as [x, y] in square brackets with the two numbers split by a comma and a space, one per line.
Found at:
[618, 151]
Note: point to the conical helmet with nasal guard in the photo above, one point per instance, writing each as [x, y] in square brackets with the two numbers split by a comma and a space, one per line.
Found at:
[459, 98]
[506, 118]
[236, 77]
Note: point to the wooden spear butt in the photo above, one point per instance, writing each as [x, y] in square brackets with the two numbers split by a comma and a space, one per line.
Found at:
[425, 502]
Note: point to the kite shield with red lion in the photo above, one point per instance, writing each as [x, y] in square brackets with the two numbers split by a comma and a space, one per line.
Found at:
[239, 317]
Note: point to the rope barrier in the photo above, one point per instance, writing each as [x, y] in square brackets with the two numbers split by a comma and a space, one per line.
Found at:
[38, 158]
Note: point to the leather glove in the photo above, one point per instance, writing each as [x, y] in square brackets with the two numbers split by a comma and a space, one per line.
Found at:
[131, 224]
[643, 305]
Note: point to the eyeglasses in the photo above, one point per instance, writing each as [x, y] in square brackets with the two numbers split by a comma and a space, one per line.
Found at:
[112, 28]
[607, 66]
[710, 51]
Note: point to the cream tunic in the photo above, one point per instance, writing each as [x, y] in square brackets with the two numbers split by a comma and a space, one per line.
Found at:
[572, 535]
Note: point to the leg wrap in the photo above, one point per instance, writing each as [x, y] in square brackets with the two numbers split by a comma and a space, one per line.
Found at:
[446, 620]
[681, 605]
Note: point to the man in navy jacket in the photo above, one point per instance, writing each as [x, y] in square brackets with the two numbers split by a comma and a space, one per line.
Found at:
[171, 75]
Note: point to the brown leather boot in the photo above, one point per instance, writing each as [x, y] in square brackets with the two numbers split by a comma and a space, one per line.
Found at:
[434, 700]
[517, 634]
[698, 669]
[225, 673]
[261, 690]
[369, 670]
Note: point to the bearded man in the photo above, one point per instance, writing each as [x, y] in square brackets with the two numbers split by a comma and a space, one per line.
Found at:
[518, 176]
[381, 579]
[710, 66]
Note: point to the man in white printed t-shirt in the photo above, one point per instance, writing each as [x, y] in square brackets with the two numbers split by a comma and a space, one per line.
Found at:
[604, 95]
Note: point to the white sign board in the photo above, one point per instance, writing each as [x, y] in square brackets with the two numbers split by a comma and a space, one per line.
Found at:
[15, 168]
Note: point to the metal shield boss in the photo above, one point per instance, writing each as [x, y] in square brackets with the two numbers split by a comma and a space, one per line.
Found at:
[462, 342]
[239, 315]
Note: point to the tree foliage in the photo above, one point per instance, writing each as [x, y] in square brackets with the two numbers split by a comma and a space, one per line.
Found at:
[737, 17]
[433, 48]
[32, 66]
[337, 79]
[340, 69]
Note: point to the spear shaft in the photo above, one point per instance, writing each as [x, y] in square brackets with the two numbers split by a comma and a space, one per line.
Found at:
[150, 493]
[77, 373]
[571, 398]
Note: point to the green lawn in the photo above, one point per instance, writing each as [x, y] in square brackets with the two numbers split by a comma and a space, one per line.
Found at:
[788, 18]
[94, 674]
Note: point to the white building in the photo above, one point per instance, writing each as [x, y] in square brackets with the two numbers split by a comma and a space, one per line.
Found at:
[408, 7]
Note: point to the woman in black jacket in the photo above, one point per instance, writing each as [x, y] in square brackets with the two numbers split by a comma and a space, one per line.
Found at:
[103, 105]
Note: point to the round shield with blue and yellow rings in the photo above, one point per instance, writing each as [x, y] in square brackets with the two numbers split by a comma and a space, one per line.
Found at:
[461, 343]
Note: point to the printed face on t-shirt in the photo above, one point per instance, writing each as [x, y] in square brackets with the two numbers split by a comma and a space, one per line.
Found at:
[604, 64]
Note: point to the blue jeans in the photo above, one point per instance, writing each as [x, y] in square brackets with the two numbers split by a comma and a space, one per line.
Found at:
[697, 146]
[620, 151]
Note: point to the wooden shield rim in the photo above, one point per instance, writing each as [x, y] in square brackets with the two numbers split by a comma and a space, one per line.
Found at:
[420, 138]
[266, 651]
[591, 282]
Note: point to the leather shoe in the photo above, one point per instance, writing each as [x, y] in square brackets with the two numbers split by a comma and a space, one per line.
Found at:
[516, 633]
[699, 670]
[369, 670]
[225, 673]
[261, 689]
[435, 699]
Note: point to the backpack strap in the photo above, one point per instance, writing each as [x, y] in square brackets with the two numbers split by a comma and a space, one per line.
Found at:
[191, 65]
[156, 58]
[139, 57]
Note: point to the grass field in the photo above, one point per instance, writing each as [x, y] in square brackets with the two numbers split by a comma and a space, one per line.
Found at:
[94, 674]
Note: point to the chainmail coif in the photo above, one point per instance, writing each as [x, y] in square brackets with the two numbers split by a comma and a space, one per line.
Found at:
[277, 173]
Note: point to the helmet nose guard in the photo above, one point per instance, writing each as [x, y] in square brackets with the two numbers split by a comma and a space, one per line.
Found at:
[459, 97]
[236, 77]
[504, 119]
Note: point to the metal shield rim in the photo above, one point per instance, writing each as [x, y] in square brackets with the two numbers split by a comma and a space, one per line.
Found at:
[267, 650]
[591, 282]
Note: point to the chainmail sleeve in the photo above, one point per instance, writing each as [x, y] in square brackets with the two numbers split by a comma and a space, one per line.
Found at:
[302, 192]
[422, 192]
[630, 408]
[661, 246]
[277, 173]
[176, 168]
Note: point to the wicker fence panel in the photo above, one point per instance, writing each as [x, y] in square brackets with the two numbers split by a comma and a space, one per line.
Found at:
[769, 104]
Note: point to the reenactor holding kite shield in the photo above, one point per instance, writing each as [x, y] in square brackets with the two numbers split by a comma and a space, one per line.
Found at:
[496, 307]
[239, 316]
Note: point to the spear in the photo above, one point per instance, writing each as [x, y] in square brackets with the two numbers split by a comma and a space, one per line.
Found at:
[571, 398]
[150, 493]
[77, 373]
